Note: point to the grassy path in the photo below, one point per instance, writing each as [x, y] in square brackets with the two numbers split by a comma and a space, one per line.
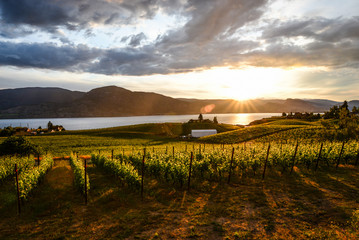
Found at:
[50, 207]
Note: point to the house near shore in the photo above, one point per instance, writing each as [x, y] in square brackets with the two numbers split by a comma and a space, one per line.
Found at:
[196, 133]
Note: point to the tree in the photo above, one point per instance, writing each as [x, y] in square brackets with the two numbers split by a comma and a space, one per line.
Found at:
[355, 110]
[50, 125]
[6, 132]
[345, 105]
[200, 117]
[333, 113]
[284, 114]
[215, 121]
[343, 118]
[349, 128]
[18, 145]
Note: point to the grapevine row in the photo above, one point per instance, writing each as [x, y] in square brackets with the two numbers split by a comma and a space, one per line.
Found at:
[30, 178]
[79, 172]
[124, 171]
[7, 165]
[215, 165]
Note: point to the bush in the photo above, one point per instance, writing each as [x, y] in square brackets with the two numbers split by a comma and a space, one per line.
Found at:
[6, 132]
[18, 145]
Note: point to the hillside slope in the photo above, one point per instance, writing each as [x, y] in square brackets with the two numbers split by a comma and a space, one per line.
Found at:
[112, 101]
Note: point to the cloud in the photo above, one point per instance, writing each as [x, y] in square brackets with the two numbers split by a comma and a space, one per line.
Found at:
[11, 31]
[73, 14]
[135, 40]
[49, 56]
[315, 54]
[200, 44]
[211, 37]
[210, 20]
[320, 29]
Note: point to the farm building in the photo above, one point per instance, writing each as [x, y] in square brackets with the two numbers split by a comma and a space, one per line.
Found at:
[203, 132]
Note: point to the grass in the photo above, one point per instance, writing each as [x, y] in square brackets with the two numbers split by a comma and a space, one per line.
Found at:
[292, 122]
[117, 138]
[246, 134]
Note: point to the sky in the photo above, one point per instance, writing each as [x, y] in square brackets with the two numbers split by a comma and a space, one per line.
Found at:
[237, 49]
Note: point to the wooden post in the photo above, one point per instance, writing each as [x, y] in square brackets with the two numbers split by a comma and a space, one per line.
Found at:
[143, 171]
[230, 166]
[357, 159]
[166, 150]
[85, 168]
[204, 147]
[112, 154]
[265, 163]
[320, 152]
[18, 191]
[38, 159]
[173, 152]
[190, 169]
[99, 152]
[293, 161]
[199, 148]
[340, 155]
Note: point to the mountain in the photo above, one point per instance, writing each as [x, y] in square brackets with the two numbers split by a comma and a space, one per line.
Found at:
[10, 98]
[114, 101]
[353, 103]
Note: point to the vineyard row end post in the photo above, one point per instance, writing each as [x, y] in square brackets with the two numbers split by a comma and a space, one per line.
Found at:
[18, 190]
[189, 173]
[265, 164]
[230, 166]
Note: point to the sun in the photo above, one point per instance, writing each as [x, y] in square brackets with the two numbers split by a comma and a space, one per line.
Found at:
[249, 83]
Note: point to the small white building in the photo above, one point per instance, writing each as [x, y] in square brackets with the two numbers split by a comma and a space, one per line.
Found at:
[203, 132]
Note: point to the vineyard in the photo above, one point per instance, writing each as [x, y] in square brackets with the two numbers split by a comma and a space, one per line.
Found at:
[215, 163]
[268, 181]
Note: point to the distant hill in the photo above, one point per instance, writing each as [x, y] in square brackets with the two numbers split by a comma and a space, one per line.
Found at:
[353, 103]
[114, 101]
[10, 98]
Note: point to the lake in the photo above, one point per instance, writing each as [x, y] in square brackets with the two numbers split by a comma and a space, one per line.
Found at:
[104, 122]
